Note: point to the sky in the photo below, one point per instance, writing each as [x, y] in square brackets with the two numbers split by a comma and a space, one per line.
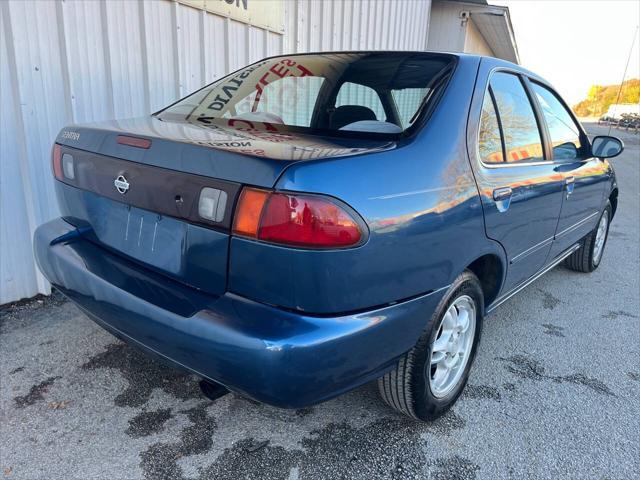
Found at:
[574, 44]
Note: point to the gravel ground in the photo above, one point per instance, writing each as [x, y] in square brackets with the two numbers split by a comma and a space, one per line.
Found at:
[555, 392]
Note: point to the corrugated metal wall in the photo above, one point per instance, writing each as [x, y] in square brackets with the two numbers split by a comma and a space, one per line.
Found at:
[72, 61]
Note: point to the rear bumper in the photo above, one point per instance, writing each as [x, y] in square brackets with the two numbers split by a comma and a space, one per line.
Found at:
[278, 357]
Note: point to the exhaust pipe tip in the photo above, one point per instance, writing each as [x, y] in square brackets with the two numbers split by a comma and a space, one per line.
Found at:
[212, 390]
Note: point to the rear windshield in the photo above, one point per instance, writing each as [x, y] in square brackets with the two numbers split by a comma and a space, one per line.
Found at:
[369, 93]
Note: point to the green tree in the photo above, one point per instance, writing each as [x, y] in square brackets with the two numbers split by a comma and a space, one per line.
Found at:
[600, 98]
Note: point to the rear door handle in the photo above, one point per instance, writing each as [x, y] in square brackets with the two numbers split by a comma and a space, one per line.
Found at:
[501, 194]
[502, 197]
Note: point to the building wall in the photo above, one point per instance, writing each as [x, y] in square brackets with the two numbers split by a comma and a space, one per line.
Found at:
[475, 42]
[84, 61]
[446, 29]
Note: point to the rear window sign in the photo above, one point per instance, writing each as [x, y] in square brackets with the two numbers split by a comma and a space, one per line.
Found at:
[305, 94]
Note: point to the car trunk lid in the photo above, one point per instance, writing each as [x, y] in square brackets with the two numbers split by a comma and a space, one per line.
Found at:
[249, 156]
[141, 198]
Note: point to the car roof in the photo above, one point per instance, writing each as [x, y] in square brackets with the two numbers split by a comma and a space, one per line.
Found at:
[495, 62]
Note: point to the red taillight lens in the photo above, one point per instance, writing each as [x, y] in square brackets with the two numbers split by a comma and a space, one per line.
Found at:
[307, 221]
[294, 219]
[56, 160]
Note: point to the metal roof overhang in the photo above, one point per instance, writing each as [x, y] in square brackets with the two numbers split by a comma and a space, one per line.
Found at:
[494, 23]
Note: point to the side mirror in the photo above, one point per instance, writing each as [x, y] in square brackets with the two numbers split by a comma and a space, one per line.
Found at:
[565, 151]
[604, 146]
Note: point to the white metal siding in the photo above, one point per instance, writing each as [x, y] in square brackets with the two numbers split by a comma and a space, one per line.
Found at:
[78, 61]
[446, 29]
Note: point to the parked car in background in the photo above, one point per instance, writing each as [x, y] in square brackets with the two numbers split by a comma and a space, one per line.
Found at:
[313, 222]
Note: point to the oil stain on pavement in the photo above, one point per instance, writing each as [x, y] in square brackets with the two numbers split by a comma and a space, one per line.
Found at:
[527, 368]
[143, 374]
[386, 448]
[36, 393]
[148, 423]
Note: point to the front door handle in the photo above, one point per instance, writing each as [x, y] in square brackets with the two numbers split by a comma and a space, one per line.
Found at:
[570, 183]
[502, 197]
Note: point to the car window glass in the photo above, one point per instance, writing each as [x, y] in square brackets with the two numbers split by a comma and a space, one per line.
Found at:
[519, 128]
[565, 135]
[298, 93]
[361, 95]
[489, 143]
[407, 102]
[289, 101]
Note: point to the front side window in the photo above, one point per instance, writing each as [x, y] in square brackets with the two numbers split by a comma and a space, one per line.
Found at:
[315, 93]
[564, 133]
[520, 131]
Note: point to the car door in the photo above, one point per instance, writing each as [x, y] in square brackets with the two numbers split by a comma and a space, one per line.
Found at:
[521, 190]
[584, 176]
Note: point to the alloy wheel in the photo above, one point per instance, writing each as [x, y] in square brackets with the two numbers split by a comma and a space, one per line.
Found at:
[452, 346]
[601, 235]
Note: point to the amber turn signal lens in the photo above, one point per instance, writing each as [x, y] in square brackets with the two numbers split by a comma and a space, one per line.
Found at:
[248, 212]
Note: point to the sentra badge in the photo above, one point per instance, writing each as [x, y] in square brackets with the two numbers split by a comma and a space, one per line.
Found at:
[70, 135]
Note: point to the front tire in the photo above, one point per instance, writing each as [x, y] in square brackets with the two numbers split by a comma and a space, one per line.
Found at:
[588, 257]
[429, 378]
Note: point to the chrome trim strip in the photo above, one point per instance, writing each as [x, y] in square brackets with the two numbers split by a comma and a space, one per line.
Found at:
[530, 250]
[515, 164]
[576, 225]
[528, 282]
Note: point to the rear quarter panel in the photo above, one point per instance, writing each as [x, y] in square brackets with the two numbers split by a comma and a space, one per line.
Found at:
[421, 206]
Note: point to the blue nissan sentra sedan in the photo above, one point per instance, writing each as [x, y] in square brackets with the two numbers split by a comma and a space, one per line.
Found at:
[313, 222]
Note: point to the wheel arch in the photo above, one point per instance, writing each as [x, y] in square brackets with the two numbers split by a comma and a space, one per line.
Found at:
[613, 199]
[490, 270]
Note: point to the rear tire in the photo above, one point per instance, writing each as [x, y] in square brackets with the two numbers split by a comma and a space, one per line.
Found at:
[419, 386]
[589, 256]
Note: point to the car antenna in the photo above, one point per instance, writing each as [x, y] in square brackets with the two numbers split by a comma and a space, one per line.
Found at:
[624, 75]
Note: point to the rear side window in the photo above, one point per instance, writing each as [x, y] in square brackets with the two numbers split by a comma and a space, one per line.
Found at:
[564, 133]
[489, 142]
[520, 131]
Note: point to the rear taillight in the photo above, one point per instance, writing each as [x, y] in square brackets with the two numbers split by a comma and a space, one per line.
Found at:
[311, 221]
[56, 160]
[63, 167]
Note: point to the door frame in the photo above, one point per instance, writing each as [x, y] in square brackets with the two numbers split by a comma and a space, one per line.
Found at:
[481, 89]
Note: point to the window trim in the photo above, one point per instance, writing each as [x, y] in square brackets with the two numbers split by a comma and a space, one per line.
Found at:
[585, 144]
[500, 131]
[503, 149]
[536, 112]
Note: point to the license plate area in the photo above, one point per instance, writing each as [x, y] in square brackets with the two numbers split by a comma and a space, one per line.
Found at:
[192, 254]
[146, 236]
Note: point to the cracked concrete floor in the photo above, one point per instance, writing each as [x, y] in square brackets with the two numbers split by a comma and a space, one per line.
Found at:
[555, 392]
